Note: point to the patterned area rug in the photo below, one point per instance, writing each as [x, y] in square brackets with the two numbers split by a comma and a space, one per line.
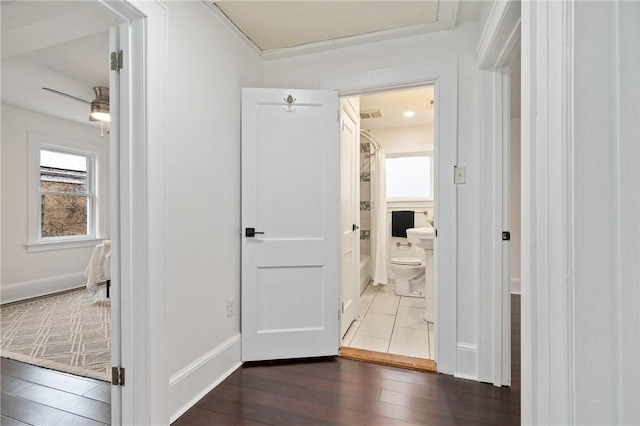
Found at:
[69, 332]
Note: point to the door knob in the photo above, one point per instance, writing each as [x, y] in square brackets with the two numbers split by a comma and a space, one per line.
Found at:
[251, 232]
[355, 227]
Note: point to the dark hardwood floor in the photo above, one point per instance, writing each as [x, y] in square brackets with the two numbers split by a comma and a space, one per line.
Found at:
[332, 391]
[37, 396]
[327, 391]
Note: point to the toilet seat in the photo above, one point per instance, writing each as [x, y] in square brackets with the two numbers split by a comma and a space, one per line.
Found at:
[409, 261]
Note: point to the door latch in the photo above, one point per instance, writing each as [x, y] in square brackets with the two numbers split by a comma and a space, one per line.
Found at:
[251, 232]
[355, 227]
[506, 236]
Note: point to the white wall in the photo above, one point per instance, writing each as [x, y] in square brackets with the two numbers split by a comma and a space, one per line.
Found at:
[402, 136]
[25, 274]
[208, 64]
[306, 72]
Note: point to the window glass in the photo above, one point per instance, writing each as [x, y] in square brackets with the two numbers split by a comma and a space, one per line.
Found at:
[64, 215]
[408, 177]
[64, 194]
[63, 172]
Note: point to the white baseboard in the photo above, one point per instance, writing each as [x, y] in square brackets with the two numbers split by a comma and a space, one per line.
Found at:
[36, 288]
[515, 286]
[197, 379]
[466, 361]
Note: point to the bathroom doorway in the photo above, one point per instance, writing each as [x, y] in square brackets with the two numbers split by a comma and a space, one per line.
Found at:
[395, 164]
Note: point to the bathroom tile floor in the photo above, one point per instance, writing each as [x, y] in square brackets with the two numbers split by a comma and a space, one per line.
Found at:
[391, 324]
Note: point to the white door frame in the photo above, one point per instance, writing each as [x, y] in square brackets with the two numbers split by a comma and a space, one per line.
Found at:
[141, 221]
[445, 77]
[497, 44]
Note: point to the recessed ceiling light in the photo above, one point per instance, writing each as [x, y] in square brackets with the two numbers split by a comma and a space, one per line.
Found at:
[409, 114]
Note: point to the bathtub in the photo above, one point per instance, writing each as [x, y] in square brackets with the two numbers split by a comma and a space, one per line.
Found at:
[365, 272]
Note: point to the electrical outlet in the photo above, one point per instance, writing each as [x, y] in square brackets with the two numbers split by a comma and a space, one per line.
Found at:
[231, 306]
[459, 175]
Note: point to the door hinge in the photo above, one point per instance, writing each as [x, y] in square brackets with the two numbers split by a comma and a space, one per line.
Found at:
[117, 376]
[506, 236]
[116, 60]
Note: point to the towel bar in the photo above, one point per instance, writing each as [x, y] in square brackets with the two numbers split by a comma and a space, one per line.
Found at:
[425, 212]
[398, 244]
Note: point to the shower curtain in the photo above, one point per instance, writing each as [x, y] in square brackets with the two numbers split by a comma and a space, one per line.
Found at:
[379, 219]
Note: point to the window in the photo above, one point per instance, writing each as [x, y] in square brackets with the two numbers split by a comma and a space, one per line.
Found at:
[68, 193]
[409, 176]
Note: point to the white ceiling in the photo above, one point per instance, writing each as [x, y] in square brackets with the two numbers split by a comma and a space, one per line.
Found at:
[393, 105]
[274, 26]
[63, 45]
[279, 24]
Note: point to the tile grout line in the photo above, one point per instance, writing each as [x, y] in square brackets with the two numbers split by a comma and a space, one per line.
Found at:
[393, 329]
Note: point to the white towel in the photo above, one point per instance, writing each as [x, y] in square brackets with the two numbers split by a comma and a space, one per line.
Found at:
[98, 269]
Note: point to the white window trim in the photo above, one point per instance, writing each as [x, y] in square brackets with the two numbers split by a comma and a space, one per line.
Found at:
[408, 151]
[97, 229]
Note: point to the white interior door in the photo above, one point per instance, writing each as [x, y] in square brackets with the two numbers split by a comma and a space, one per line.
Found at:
[349, 214]
[290, 266]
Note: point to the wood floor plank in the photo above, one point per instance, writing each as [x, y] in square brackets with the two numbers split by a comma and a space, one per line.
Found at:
[365, 373]
[197, 416]
[275, 380]
[464, 409]
[37, 414]
[310, 412]
[12, 385]
[240, 408]
[364, 387]
[327, 413]
[79, 405]
[44, 377]
[364, 401]
[6, 421]
[100, 393]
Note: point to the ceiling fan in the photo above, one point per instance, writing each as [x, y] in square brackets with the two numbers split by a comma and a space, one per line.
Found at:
[99, 106]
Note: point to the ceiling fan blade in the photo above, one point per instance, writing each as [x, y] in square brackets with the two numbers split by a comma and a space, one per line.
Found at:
[57, 92]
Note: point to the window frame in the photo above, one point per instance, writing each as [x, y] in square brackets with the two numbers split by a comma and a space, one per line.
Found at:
[413, 151]
[96, 209]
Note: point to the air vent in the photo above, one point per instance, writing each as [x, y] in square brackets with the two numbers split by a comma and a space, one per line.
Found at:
[370, 114]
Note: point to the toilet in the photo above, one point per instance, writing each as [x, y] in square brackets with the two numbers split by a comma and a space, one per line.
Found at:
[409, 276]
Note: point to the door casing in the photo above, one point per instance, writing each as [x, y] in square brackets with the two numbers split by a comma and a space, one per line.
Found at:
[143, 199]
[443, 76]
[496, 48]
